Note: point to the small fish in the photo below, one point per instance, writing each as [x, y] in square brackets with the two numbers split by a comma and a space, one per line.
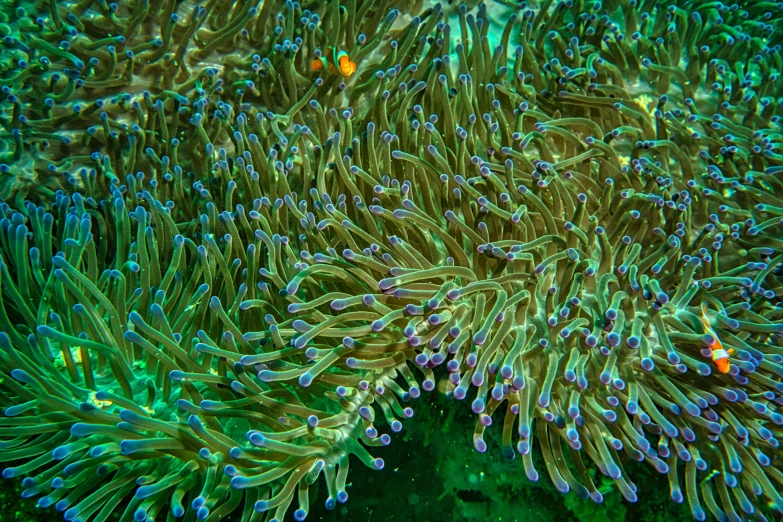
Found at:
[720, 355]
[334, 61]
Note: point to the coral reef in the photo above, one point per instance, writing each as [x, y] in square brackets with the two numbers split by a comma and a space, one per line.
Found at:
[225, 275]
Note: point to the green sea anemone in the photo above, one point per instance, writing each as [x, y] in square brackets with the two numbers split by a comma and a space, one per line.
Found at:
[224, 274]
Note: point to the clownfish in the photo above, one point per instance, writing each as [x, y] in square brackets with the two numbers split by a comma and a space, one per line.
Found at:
[336, 62]
[720, 355]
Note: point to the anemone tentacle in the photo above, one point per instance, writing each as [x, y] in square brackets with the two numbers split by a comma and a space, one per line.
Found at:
[224, 274]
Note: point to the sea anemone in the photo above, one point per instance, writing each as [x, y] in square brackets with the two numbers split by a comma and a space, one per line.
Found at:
[224, 274]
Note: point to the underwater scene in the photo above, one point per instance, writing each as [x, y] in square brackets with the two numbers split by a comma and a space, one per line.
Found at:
[391, 260]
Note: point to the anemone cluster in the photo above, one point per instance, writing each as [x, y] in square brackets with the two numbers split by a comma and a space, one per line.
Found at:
[224, 274]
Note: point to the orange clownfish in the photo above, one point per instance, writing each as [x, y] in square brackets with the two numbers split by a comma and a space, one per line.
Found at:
[720, 355]
[336, 62]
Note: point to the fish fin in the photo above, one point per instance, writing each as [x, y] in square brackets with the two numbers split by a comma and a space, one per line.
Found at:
[723, 365]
